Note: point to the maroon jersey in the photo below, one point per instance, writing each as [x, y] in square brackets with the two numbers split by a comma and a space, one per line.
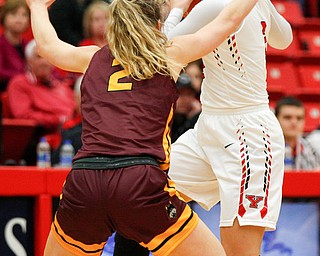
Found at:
[123, 116]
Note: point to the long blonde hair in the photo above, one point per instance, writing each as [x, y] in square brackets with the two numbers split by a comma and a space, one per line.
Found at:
[135, 39]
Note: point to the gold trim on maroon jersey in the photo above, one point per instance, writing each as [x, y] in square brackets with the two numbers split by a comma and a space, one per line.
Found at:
[166, 142]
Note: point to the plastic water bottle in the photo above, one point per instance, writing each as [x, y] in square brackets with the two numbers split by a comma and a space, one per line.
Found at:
[288, 158]
[66, 154]
[43, 153]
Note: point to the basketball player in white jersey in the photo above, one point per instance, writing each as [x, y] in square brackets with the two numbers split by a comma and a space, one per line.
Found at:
[235, 153]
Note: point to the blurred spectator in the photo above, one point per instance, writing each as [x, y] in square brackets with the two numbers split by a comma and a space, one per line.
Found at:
[195, 72]
[71, 129]
[38, 96]
[314, 139]
[94, 24]
[188, 107]
[67, 16]
[291, 115]
[14, 18]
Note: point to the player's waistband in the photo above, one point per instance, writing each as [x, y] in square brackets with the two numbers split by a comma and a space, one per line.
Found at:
[112, 162]
[235, 111]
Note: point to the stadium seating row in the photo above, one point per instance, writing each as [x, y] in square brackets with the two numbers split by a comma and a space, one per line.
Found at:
[296, 70]
[292, 10]
[302, 80]
[306, 42]
[15, 133]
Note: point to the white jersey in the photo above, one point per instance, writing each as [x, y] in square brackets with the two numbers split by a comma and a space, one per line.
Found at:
[235, 72]
[235, 152]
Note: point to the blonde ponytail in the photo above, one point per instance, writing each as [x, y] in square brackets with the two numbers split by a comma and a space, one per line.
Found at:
[135, 39]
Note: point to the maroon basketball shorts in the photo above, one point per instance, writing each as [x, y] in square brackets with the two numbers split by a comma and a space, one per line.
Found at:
[139, 202]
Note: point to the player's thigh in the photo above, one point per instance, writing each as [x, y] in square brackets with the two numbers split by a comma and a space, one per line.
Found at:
[191, 171]
[53, 248]
[242, 240]
[201, 242]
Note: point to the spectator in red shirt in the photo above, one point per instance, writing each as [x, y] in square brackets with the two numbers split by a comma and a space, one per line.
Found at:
[14, 19]
[37, 95]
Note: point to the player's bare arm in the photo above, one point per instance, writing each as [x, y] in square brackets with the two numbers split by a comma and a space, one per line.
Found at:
[202, 14]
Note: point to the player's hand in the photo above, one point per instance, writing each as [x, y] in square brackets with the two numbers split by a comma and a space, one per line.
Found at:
[47, 3]
[181, 4]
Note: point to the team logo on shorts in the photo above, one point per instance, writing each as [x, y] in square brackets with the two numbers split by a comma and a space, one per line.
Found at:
[254, 200]
[171, 210]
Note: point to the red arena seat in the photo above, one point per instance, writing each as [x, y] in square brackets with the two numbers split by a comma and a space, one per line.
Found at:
[312, 110]
[282, 79]
[310, 81]
[291, 10]
[310, 41]
[16, 134]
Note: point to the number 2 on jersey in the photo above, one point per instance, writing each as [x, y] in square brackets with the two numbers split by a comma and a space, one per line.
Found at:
[114, 84]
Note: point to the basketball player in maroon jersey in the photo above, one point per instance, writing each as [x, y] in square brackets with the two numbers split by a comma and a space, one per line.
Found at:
[119, 181]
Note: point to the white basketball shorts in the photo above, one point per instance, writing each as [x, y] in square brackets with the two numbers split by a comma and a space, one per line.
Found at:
[237, 159]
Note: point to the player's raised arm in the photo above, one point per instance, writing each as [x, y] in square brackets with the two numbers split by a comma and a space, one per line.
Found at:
[59, 53]
[203, 13]
[194, 46]
[173, 12]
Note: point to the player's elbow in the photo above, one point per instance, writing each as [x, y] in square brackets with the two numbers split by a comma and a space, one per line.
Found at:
[44, 47]
[42, 50]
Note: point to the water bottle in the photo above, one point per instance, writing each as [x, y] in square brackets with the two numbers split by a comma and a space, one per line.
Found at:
[43, 153]
[66, 154]
[288, 158]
